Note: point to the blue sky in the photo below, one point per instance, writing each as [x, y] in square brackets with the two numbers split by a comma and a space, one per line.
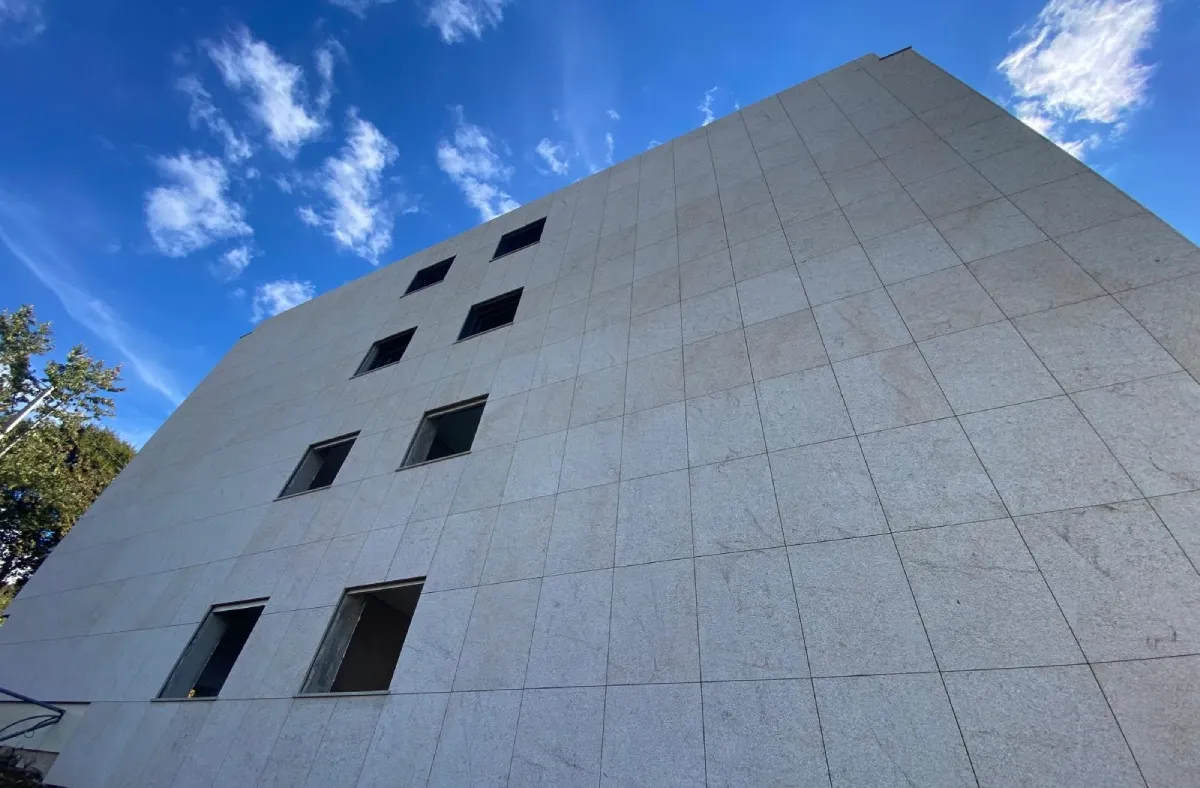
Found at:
[174, 172]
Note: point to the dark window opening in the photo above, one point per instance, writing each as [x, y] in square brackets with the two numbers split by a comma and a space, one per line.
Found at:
[362, 645]
[445, 432]
[520, 238]
[493, 313]
[320, 465]
[209, 657]
[430, 275]
[386, 351]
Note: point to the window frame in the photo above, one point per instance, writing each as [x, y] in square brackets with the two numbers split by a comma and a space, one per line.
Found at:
[448, 262]
[437, 413]
[339, 633]
[472, 313]
[373, 351]
[287, 492]
[541, 223]
[203, 630]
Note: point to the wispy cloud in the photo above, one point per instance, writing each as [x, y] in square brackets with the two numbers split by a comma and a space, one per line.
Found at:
[327, 56]
[21, 20]
[475, 167]
[234, 262]
[272, 88]
[22, 235]
[271, 298]
[653, 144]
[456, 19]
[554, 155]
[358, 7]
[609, 147]
[195, 210]
[1077, 74]
[706, 106]
[358, 216]
[203, 112]
[612, 113]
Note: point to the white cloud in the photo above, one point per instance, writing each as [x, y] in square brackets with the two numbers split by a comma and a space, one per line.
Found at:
[203, 112]
[195, 210]
[21, 20]
[308, 216]
[455, 19]
[554, 156]
[273, 89]
[653, 144]
[706, 106]
[609, 147]
[358, 7]
[19, 232]
[271, 298]
[612, 113]
[1077, 72]
[476, 168]
[326, 56]
[357, 216]
[234, 262]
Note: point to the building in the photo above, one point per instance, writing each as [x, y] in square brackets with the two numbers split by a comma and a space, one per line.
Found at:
[853, 434]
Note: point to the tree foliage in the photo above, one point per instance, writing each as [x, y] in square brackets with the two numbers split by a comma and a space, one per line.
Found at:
[58, 459]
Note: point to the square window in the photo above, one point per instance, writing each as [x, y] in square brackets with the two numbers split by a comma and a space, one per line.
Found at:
[493, 313]
[320, 465]
[429, 275]
[445, 432]
[386, 351]
[363, 642]
[520, 238]
[206, 662]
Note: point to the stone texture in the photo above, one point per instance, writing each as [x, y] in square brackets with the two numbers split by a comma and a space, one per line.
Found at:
[890, 389]
[653, 631]
[762, 733]
[653, 735]
[825, 492]
[1043, 456]
[1093, 560]
[860, 580]
[1040, 726]
[749, 625]
[928, 475]
[891, 730]
[1157, 703]
[982, 598]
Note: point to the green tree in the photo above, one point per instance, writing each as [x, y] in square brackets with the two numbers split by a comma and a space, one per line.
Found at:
[57, 459]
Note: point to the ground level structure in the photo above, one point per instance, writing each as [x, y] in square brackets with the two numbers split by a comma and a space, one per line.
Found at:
[849, 440]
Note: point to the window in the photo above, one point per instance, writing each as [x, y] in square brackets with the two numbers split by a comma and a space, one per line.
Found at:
[493, 313]
[362, 644]
[320, 465]
[445, 432]
[205, 664]
[430, 275]
[520, 238]
[386, 351]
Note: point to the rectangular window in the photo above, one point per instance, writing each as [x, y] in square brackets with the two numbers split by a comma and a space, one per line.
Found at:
[430, 275]
[493, 313]
[320, 465]
[520, 238]
[445, 432]
[386, 351]
[363, 642]
[206, 662]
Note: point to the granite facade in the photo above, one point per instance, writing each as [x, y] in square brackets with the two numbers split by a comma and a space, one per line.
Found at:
[850, 440]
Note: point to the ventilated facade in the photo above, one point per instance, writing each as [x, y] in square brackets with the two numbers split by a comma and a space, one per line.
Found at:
[850, 439]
